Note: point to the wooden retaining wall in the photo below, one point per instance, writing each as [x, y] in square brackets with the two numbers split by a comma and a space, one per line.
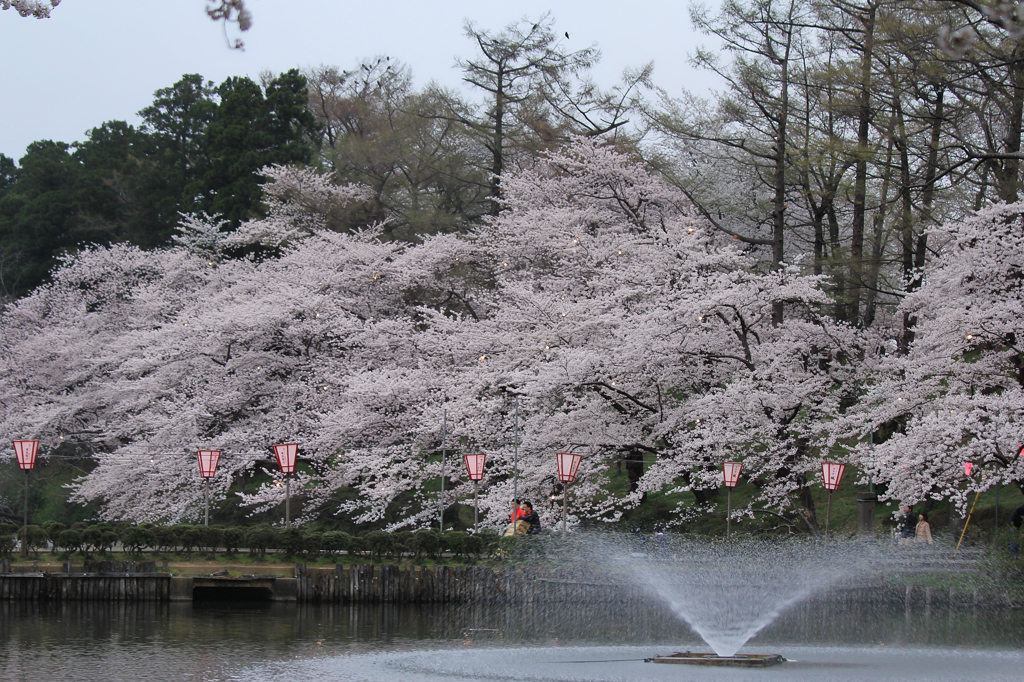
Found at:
[84, 587]
[346, 584]
[361, 584]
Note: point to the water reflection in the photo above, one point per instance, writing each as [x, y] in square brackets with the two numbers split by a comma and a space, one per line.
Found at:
[214, 641]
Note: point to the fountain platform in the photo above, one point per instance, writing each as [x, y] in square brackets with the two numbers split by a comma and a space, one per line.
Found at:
[737, 661]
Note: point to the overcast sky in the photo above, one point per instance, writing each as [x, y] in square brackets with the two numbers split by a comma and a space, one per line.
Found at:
[101, 60]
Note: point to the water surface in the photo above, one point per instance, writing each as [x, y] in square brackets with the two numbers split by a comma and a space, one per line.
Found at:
[262, 641]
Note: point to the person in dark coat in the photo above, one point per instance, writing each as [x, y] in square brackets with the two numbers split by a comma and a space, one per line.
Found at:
[908, 526]
[532, 519]
[1017, 517]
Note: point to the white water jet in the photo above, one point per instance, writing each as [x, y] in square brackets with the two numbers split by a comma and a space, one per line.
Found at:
[728, 592]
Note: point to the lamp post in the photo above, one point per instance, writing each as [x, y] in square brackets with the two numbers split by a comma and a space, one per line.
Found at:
[730, 477]
[444, 456]
[831, 475]
[475, 469]
[968, 468]
[568, 464]
[286, 461]
[26, 451]
[208, 460]
[515, 456]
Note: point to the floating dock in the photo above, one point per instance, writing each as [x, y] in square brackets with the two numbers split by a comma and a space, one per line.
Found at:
[737, 661]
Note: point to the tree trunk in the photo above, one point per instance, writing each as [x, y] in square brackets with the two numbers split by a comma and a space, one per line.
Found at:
[635, 469]
[779, 202]
[1008, 171]
[861, 169]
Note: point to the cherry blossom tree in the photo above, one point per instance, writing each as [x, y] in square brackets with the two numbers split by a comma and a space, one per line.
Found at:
[133, 352]
[630, 333]
[957, 395]
[627, 331]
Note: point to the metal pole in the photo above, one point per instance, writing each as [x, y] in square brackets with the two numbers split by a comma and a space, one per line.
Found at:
[287, 501]
[828, 512]
[565, 507]
[24, 530]
[515, 465]
[444, 446]
[476, 508]
[871, 480]
[997, 506]
[207, 496]
[728, 514]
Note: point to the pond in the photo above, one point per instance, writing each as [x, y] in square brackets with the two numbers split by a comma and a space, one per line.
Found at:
[273, 641]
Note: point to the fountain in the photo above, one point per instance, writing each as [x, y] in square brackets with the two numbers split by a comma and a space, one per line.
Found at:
[727, 594]
[729, 591]
[758, 600]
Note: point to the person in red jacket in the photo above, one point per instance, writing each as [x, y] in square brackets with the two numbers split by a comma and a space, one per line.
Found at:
[517, 511]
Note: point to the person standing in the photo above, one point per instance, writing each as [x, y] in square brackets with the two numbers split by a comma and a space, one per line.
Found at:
[908, 526]
[923, 531]
[660, 542]
[1016, 517]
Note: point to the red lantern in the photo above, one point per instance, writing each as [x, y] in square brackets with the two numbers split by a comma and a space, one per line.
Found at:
[568, 463]
[832, 474]
[286, 457]
[208, 460]
[475, 466]
[731, 473]
[26, 451]
[967, 468]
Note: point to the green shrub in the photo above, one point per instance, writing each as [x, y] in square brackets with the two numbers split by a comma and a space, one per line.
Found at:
[136, 539]
[260, 538]
[7, 542]
[108, 538]
[405, 543]
[509, 545]
[233, 539]
[357, 547]
[53, 530]
[210, 538]
[454, 541]
[92, 539]
[70, 541]
[36, 539]
[292, 542]
[428, 543]
[379, 543]
[167, 538]
[488, 541]
[189, 538]
[313, 543]
[335, 542]
[474, 546]
[8, 539]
